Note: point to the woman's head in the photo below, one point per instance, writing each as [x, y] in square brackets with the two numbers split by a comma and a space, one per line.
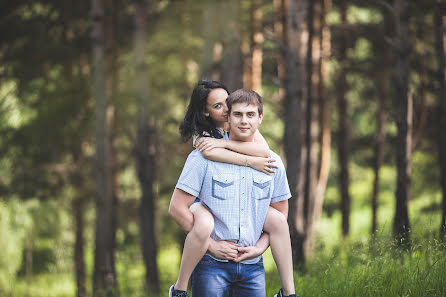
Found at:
[206, 111]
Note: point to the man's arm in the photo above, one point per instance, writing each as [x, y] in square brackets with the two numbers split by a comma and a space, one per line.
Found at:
[179, 209]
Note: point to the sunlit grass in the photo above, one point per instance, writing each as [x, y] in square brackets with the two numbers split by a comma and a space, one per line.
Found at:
[44, 285]
[352, 266]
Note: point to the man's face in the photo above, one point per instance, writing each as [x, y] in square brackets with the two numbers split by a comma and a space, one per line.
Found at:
[244, 120]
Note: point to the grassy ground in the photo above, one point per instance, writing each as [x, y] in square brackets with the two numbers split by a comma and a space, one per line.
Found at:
[356, 266]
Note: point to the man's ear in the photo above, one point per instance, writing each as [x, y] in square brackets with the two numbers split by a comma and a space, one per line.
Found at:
[260, 118]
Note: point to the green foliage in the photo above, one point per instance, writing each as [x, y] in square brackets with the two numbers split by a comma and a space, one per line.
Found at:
[15, 228]
[46, 126]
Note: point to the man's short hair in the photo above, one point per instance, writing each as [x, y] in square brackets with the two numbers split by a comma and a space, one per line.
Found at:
[245, 96]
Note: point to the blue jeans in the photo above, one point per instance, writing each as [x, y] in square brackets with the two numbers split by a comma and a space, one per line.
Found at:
[212, 278]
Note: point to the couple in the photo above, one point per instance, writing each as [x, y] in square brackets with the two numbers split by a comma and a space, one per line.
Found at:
[243, 198]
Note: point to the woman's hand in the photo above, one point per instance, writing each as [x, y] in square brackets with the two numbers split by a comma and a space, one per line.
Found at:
[208, 143]
[225, 250]
[264, 165]
[249, 252]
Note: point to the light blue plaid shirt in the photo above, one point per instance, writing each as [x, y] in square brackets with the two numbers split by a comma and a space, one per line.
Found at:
[237, 196]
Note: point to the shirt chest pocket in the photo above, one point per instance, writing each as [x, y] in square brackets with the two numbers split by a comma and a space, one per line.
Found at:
[261, 186]
[223, 186]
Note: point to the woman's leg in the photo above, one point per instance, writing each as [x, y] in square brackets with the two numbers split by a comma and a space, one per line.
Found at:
[279, 240]
[196, 244]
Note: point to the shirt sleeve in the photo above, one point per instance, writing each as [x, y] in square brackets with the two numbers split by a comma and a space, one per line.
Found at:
[193, 174]
[281, 190]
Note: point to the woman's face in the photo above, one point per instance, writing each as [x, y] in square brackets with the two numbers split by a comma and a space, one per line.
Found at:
[216, 107]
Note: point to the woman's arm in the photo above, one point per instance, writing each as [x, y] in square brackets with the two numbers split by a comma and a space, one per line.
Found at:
[257, 148]
[226, 156]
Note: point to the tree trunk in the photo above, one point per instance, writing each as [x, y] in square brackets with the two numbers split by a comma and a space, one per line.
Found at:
[344, 124]
[211, 29]
[79, 261]
[404, 124]
[440, 25]
[295, 49]
[312, 122]
[324, 113]
[104, 277]
[232, 61]
[279, 24]
[111, 80]
[379, 146]
[145, 152]
[383, 91]
[253, 68]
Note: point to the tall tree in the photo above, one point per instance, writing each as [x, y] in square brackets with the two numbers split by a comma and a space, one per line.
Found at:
[311, 125]
[404, 121]
[383, 94]
[295, 49]
[253, 67]
[145, 150]
[104, 277]
[440, 38]
[232, 60]
[324, 111]
[211, 29]
[344, 122]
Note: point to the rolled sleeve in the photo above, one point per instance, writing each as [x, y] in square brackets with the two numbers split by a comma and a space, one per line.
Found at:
[281, 189]
[192, 176]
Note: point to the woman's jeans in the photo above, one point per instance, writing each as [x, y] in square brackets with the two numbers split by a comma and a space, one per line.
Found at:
[212, 278]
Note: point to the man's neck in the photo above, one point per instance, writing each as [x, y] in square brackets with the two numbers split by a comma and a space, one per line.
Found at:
[233, 138]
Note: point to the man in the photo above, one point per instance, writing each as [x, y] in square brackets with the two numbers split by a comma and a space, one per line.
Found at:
[238, 197]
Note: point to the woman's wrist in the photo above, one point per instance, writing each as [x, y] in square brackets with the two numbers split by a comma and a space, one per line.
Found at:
[248, 161]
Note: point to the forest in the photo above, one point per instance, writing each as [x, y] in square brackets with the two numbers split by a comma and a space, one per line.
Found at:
[92, 94]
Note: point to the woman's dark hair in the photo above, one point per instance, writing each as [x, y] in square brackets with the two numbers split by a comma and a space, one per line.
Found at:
[195, 121]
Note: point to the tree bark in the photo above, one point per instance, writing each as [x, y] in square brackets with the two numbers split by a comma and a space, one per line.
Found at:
[324, 113]
[211, 29]
[145, 151]
[440, 38]
[253, 68]
[232, 61]
[378, 148]
[104, 277]
[344, 124]
[312, 122]
[383, 96]
[79, 261]
[295, 49]
[404, 124]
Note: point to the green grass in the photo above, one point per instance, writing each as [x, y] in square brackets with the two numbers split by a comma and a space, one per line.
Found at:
[379, 269]
[356, 266]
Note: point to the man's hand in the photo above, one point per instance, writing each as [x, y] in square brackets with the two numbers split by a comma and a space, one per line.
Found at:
[225, 250]
[248, 252]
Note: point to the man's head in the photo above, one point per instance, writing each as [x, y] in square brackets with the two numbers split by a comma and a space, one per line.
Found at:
[245, 108]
